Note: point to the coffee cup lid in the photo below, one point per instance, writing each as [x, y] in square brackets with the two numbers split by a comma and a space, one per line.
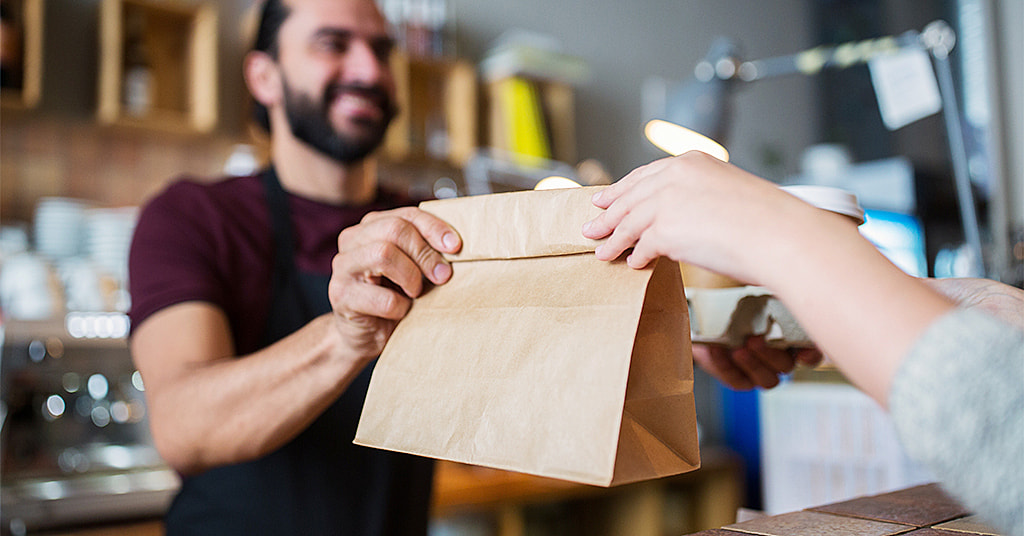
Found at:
[829, 198]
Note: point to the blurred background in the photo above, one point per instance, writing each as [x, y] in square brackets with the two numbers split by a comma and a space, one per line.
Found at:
[104, 102]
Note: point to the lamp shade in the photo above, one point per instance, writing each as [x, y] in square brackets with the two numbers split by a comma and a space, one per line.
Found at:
[676, 140]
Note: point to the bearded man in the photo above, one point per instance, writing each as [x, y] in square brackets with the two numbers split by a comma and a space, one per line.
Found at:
[260, 303]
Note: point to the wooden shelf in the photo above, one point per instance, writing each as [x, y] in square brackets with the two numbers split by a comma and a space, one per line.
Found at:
[179, 41]
[437, 119]
[26, 41]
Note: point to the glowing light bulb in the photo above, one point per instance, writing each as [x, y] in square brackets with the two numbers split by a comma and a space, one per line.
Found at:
[676, 140]
[555, 183]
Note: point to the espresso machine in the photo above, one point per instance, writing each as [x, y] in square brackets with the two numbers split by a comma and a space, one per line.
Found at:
[74, 444]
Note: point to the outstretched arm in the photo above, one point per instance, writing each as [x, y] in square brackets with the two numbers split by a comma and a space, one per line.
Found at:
[860, 309]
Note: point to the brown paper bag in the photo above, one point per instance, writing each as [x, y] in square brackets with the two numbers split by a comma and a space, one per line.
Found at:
[538, 358]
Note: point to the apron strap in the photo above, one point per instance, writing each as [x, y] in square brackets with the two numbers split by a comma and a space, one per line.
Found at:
[286, 284]
[280, 221]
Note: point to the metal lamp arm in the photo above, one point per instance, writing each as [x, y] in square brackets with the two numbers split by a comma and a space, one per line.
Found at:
[938, 38]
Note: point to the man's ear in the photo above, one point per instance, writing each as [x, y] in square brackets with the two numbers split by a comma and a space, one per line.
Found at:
[263, 77]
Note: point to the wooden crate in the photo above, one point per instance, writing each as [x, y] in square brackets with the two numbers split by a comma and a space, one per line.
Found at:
[27, 17]
[181, 44]
[436, 97]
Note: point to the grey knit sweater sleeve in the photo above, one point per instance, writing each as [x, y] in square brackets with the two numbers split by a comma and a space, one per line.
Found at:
[958, 404]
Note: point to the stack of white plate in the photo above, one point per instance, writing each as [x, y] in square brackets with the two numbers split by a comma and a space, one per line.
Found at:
[13, 240]
[25, 290]
[108, 236]
[58, 226]
[80, 279]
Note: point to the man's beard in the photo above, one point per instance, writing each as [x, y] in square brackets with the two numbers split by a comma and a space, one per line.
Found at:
[310, 123]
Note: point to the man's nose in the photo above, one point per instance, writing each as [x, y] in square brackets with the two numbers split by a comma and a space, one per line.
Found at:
[363, 65]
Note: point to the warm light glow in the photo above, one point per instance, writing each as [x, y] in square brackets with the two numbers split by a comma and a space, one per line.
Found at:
[676, 140]
[555, 183]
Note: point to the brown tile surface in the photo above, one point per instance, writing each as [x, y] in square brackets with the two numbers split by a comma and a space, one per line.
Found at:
[808, 523]
[920, 506]
[970, 525]
[933, 532]
[724, 532]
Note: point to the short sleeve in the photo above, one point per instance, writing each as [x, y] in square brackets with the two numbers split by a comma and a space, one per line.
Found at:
[173, 257]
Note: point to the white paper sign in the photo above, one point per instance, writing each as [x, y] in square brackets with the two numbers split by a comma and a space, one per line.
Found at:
[905, 86]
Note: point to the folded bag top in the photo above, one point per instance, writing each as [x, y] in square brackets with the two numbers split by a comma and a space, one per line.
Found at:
[535, 356]
[519, 225]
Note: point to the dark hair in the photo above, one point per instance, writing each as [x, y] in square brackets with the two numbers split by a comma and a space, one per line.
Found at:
[272, 16]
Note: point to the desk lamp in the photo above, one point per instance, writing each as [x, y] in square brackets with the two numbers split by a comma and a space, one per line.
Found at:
[704, 104]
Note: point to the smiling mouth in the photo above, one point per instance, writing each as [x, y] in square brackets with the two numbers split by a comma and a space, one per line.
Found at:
[357, 106]
[359, 102]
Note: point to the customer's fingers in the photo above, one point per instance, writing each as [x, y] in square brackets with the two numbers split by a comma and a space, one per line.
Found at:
[755, 369]
[717, 361]
[778, 360]
[810, 357]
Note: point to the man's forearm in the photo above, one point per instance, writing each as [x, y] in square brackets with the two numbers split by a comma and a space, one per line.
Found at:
[238, 409]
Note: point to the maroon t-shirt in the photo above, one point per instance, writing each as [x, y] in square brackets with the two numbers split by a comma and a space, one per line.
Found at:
[212, 242]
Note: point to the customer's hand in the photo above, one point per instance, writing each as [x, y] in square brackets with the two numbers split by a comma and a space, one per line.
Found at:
[755, 364]
[380, 267]
[998, 299]
[695, 209]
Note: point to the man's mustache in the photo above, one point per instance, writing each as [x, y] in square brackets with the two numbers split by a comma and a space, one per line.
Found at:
[374, 93]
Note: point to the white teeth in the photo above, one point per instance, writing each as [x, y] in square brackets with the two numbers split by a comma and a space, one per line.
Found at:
[357, 100]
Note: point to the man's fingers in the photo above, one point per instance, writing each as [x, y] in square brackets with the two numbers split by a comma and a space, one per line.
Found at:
[358, 299]
[441, 236]
[434, 230]
[378, 263]
[416, 234]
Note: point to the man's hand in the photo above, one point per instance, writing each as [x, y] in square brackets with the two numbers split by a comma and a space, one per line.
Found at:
[380, 267]
[755, 364]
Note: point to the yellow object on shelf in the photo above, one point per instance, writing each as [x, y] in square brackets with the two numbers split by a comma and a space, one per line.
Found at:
[526, 131]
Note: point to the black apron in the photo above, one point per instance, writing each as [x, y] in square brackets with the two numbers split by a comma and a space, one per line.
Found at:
[319, 483]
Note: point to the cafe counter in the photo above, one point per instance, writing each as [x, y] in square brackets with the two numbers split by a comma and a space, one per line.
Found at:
[917, 511]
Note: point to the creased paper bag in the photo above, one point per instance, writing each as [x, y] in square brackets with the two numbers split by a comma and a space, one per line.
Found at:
[536, 357]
